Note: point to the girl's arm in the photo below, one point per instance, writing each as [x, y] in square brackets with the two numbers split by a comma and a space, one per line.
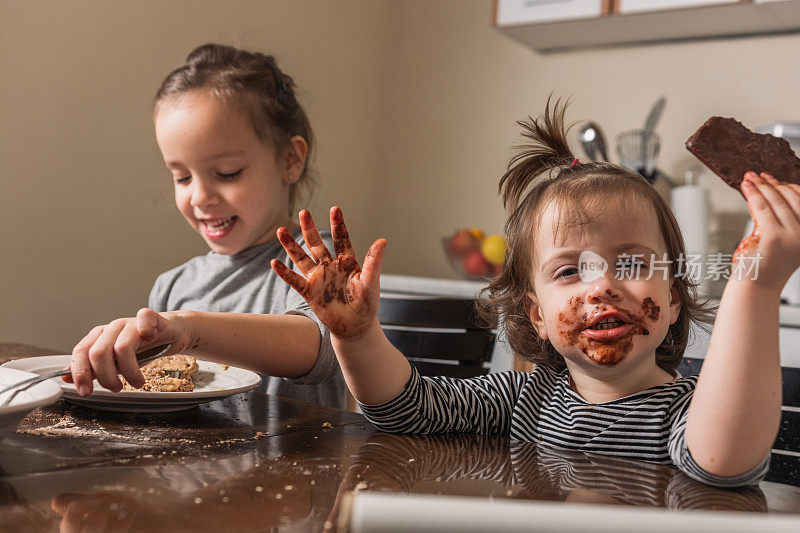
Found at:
[345, 297]
[283, 345]
[276, 345]
[735, 411]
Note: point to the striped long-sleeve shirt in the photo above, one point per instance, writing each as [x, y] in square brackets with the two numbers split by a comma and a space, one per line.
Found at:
[540, 406]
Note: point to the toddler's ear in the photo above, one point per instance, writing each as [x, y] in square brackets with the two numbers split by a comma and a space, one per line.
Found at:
[674, 303]
[535, 314]
[295, 159]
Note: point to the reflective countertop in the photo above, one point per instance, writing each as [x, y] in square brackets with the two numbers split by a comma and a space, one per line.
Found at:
[255, 462]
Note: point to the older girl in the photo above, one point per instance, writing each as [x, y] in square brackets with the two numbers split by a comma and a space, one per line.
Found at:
[236, 141]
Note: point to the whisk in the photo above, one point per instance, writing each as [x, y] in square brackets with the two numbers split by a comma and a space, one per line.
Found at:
[638, 150]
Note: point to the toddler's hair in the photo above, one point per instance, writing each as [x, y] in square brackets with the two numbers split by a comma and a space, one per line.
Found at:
[583, 192]
[253, 82]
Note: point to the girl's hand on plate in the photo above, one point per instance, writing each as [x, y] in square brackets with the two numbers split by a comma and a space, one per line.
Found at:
[111, 349]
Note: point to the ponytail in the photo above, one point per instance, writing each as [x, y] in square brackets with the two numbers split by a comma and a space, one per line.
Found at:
[546, 151]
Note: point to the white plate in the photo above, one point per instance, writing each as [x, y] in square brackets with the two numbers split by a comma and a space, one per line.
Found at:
[212, 383]
[25, 401]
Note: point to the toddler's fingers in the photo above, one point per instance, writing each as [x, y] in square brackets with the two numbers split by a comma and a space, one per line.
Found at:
[341, 239]
[125, 347]
[295, 280]
[791, 195]
[757, 204]
[313, 239]
[371, 273]
[81, 369]
[782, 210]
[296, 253]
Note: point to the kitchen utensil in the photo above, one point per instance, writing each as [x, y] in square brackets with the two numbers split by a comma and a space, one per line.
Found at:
[647, 132]
[655, 114]
[638, 152]
[142, 358]
[593, 142]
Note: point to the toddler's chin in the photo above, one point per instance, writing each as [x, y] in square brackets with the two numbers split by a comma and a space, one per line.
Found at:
[608, 357]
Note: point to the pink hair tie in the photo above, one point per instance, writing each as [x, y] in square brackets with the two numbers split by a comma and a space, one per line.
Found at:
[575, 162]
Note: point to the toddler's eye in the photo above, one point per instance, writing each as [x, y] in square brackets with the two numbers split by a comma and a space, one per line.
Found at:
[183, 181]
[231, 176]
[567, 272]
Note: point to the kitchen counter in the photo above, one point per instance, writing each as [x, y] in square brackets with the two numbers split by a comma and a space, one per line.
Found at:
[255, 462]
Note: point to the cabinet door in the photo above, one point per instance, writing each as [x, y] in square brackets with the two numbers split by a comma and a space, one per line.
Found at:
[639, 6]
[512, 12]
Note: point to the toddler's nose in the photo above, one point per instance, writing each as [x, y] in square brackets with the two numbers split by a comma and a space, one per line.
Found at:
[603, 290]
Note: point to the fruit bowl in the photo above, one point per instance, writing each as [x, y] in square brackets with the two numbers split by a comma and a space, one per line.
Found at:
[474, 256]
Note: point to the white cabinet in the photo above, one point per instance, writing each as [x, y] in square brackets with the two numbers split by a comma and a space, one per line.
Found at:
[572, 24]
[638, 6]
[537, 11]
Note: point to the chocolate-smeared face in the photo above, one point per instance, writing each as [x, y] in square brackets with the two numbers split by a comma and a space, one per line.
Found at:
[610, 315]
[606, 338]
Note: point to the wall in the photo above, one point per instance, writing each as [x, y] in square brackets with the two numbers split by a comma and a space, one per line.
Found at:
[414, 103]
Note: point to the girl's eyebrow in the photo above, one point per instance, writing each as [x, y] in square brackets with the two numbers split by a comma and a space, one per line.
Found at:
[564, 254]
[575, 252]
[220, 155]
[634, 246]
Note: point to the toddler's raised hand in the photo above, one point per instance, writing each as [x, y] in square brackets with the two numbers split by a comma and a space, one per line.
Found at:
[343, 295]
[775, 208]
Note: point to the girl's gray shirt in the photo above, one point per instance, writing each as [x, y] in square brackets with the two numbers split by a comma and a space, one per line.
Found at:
[245, 283]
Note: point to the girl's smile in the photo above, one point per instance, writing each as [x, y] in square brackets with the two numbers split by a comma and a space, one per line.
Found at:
[217, 228]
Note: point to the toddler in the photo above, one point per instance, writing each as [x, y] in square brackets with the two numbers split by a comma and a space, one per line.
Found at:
[236, 141]
[605, 345]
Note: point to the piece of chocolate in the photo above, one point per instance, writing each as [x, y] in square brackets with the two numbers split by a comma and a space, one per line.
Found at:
[730, 150]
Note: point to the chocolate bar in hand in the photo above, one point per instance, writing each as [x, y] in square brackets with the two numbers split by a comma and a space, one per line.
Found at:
[730, 150]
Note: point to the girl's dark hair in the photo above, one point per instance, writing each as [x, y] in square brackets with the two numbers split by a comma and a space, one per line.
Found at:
[253, 82]
[543, 172]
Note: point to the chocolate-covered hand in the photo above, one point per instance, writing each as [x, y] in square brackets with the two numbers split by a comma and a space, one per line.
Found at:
[343, 295]
[775, 241]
